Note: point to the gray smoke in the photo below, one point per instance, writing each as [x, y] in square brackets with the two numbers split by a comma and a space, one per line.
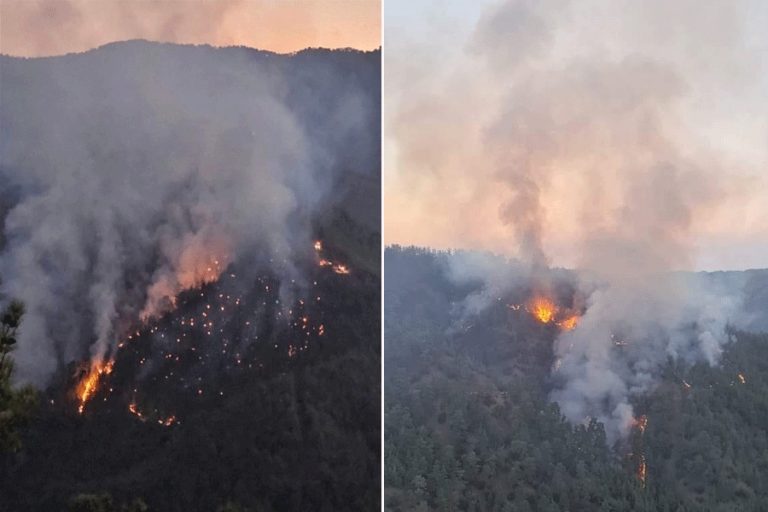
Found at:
[591, 127]
[138, 170]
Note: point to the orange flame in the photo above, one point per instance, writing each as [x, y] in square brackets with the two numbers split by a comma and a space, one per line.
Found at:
[569, 323]
[642, 470]
[742, 378]
[341, 269]
[90, 383]
[318, 245]
[543, 309]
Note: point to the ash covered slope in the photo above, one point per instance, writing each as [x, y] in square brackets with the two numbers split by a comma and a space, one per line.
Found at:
[128, 172]
[470, 421]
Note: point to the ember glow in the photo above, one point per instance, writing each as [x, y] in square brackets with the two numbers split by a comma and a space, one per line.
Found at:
[641, 423]
[544, 309]
[324, 262]
[196, 266]
[89, 384]
[642, 470]
[341, 269]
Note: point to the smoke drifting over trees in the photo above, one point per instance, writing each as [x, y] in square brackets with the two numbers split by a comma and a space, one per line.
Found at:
[137, 170]
[586, 134]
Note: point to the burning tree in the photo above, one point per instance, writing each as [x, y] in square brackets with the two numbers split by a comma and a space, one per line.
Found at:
[15, 405]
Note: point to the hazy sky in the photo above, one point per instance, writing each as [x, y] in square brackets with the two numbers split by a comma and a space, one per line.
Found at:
[516, 123]
[52, 27]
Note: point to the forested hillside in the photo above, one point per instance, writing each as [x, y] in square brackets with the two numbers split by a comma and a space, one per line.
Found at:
[469, 424]
[194, 233]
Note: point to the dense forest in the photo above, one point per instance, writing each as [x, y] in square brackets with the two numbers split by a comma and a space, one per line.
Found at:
[469, 426]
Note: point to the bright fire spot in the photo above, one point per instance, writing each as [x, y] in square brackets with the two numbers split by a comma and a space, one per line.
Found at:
[742, 379]
[325, 263]
[318, 245]
[90, 383]
[135, 411]
[543, 309]
[642, 470]
[569, 323]
[341, 269]
[687, 386]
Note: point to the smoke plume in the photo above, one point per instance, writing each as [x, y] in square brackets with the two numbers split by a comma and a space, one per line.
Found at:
[138, 170]
[588, 131]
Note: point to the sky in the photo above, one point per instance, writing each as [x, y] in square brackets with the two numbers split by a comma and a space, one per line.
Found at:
[37, 28]
[554, 126]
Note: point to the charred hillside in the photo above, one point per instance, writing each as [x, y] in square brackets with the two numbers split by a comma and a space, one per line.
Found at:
[470, 422]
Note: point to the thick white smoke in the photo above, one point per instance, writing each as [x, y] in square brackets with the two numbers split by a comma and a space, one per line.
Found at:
[137, 170]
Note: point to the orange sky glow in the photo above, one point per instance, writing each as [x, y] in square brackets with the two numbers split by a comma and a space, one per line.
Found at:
[37, 28]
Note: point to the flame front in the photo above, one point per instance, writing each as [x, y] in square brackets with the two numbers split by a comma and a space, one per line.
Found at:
[90, 383]
[543, 309]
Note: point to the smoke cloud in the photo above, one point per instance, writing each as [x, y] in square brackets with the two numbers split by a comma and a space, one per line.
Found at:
[138, 170]
[586, 134]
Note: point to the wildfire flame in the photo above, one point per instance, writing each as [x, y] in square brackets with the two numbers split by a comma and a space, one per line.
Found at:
[642, 470]
[341, 269]
[742, 379]
[89, 384]
[323, 262]
[546, 311]
[543, 309]
[569, 323]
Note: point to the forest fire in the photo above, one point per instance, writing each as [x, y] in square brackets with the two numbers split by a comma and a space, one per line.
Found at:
[195, 269]
[87, 387]
[642, 471]
[164, 421]
[338, 268]
[341, 269]
[544, 310]
[219, 315]
[569, 323]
